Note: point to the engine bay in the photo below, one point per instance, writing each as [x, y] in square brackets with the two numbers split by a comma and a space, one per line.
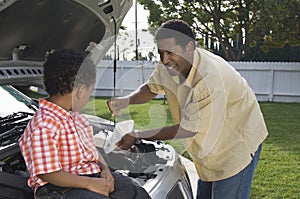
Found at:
[141, 162]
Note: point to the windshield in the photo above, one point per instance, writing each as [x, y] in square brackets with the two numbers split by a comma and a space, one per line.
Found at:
[13, 101]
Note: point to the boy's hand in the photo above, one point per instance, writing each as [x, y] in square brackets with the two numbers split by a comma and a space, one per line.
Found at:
[98, 185]
[116, 104]
[110, 181]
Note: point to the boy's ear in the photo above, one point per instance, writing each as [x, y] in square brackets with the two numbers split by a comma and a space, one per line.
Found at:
[79, 91]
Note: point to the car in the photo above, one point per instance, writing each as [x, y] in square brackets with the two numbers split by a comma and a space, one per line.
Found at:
[28, 31]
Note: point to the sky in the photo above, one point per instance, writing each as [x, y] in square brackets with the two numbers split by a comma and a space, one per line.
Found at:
[126, 43]
[129, 20]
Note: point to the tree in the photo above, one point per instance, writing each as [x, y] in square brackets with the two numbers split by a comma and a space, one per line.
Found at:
[233, 25]
[280, 20]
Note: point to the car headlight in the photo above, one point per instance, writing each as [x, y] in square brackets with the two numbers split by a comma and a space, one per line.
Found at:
[180, 191]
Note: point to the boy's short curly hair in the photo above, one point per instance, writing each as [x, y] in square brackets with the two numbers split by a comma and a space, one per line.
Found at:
[68, 68]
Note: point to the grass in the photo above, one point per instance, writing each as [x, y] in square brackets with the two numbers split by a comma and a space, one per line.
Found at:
[278, 172]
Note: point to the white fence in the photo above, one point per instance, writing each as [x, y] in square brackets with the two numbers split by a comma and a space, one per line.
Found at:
[271, 81]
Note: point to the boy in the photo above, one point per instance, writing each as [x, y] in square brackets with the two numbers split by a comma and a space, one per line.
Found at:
[58, 145]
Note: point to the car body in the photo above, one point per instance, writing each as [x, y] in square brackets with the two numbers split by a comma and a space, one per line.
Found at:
[28, 31]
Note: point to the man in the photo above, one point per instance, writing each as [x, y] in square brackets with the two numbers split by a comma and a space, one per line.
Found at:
[213, 109]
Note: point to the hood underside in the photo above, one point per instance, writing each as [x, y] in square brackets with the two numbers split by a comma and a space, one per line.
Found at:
[30, 28]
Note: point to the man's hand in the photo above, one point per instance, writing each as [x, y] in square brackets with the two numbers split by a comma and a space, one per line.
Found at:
[126, 141]
[116, 104]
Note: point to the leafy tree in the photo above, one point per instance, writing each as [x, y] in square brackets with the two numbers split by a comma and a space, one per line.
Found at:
[280, 20]
[233, 25]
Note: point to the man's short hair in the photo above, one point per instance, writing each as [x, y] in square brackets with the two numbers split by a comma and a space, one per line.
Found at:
[178, 29]
[67, 68]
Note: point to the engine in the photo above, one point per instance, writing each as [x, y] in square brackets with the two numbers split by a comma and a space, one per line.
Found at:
[140, 163]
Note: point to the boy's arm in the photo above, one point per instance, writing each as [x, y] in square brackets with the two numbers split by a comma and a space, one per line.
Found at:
[103, 165]
[105, 172]
[65, 179]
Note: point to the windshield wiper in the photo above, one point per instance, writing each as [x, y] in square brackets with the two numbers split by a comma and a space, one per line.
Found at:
[12, 135]
[8, 120]
[14, 123]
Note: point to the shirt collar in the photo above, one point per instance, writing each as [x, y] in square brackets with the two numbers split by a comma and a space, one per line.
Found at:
[54, 108]
[192, 75]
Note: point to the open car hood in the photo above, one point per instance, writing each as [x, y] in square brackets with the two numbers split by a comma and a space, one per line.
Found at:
[31, 28]
[28, 30]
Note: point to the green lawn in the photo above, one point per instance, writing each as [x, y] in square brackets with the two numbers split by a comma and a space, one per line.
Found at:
[278, 172]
